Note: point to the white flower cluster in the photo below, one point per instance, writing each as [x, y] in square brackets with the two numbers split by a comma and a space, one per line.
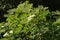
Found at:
[30, 17]
[7, 34]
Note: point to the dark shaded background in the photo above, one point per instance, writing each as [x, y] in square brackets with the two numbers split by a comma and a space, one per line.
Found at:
[52, 4]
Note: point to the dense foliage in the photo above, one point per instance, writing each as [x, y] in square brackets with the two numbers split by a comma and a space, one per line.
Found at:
[28, 23]
[5, 5]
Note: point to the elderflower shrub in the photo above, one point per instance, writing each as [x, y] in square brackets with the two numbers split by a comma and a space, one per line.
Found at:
[28, 23]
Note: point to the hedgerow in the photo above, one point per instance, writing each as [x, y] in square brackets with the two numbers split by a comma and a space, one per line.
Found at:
[28, 23]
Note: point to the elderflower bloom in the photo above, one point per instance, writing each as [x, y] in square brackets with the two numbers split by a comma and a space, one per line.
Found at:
[30, 17]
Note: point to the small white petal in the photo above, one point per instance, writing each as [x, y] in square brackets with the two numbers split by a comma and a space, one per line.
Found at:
[57, 26]
[34, 36]
[11, 31]
[6, 34]
[32, 15]
[46, 8]
[29, 18]
[2, 26]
